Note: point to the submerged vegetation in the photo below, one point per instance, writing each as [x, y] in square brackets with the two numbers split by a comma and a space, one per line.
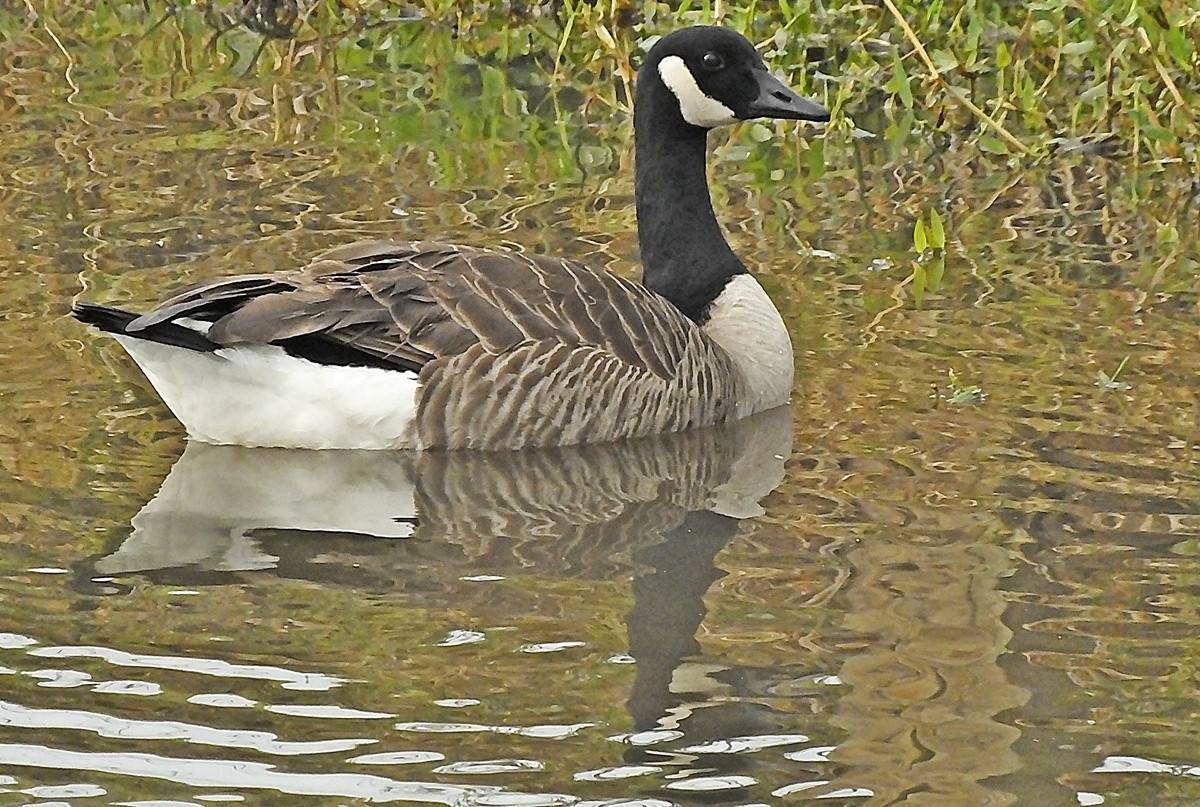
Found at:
[1119, 80]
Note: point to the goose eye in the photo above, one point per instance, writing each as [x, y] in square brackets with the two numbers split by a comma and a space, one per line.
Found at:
[712, 61]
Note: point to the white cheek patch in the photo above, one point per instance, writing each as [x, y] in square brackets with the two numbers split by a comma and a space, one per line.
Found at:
[697, 108]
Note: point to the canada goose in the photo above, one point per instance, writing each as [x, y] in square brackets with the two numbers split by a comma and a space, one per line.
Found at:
[389, 345]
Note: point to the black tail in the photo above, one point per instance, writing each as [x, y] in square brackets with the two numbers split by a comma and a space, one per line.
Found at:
[114, 320]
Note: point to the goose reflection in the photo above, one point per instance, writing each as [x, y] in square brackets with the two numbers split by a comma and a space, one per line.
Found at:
[661, 507]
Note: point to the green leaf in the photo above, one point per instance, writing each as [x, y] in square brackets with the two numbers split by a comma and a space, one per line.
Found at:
[1189, 546]
[920, 241]
[943, 60]
[1003, 57]
[203, 86]
[937, 234]
[815, 157]
[1028, 94]
[897, 135]
[1179, 47]
[1131, 17]
[967, 395]
[899, 84]
[992, 144]
[974, 31]
[760, 133]
[1094, 92]
[961, 395]
[1079, 48]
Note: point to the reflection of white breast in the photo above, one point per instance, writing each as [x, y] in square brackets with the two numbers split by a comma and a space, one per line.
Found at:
[758, 468]
[215, 495]
[745, 322]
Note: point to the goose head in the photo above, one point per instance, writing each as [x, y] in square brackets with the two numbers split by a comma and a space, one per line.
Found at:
[717, 78]
[693, 80]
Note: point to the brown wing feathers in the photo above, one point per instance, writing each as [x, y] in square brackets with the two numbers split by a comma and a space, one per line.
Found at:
[419, 301]
[209, 300]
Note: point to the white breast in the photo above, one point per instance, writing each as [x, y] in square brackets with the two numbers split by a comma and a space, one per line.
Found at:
[745, 322]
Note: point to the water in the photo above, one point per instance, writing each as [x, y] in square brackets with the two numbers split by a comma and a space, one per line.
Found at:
[894, 593]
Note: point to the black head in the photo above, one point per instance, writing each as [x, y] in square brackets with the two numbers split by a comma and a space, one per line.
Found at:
[718, 78]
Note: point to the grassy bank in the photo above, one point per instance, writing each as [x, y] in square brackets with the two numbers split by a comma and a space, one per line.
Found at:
[1119, 80]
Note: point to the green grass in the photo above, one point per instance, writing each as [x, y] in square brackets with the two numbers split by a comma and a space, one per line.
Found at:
[1018, 82]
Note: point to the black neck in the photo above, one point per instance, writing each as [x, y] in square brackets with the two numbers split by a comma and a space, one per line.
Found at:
[684, 254]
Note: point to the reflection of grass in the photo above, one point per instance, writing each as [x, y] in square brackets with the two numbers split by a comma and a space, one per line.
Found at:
[1109, 382]
[962, 394]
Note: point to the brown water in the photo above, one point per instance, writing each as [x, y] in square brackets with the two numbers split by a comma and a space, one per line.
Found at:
[941, 600]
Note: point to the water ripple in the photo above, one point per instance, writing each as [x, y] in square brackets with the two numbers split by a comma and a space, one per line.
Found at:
[289, 679]
[1131, 764]
[239, 774]
[11, 641]
[398, 758]
[706, 784]
[739, 745]
[488, 766]
[222, 700]
[17, 716]
[327, 711]
[618, 772]
[547, 732]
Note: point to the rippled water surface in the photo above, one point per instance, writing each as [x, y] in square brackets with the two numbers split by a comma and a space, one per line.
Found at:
[902, 591]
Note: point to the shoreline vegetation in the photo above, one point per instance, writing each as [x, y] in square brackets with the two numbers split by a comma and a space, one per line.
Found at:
[1119, 80]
